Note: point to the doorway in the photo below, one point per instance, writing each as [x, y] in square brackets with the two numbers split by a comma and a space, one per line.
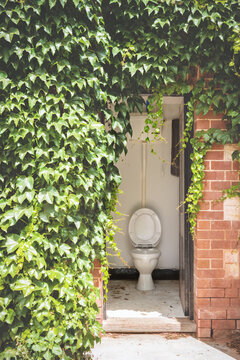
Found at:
[149, 180]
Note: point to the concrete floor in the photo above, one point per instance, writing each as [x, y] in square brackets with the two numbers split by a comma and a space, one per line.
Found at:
[124, 300]
[155, 347]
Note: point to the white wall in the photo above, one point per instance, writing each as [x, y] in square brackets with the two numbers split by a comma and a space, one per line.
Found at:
[162, 190]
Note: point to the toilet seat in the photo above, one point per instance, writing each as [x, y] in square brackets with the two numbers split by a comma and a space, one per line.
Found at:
[144, 228]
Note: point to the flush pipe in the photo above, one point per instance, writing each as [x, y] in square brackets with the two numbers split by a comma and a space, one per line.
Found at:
[144, 161]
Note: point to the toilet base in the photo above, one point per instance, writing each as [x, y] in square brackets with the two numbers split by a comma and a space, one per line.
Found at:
[145, 282]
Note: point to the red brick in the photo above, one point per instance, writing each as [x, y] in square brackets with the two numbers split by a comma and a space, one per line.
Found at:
[97, 273]
[210, 293]
[235, 283]
[217, 147]
[216, 205]
[210, 274]
[212, 195]
[211, 235]
[202, 244]
[203, 264]
[233, 313]
[220, 185]
[214, 155]
[223, 324]
[96, 282]
[204, 323]
[206, 75]
[214, 175]
[203, 333]
[238, 324]
[206, 185]
[204, 205]
[210, 215]
[97, 263]
[236, 225]
[220, 303]
[235, 302]
[232, 175]
[236, 165]
[203, 224]
[210, 115]
[207, 164]
[221, 165]
[233, 292]
[232, 235]
[221, 244]
[202, 302]
[218, 124]
[212, 314]
[209, 254]
[216, 264]
[202, 283]
[220, 283]
[235, 183]
[216, 225]
[201, 124]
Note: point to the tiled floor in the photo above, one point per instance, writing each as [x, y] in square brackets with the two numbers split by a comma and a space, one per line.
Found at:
[124, 300]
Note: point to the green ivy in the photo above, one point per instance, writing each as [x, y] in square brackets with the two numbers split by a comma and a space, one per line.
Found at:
[58, 179]
[62, 63]
[169, 40]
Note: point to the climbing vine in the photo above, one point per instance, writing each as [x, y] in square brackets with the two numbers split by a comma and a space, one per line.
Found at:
[71, 71]
[58, 179]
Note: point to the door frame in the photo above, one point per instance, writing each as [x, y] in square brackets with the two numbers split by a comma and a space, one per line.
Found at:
[187, 254]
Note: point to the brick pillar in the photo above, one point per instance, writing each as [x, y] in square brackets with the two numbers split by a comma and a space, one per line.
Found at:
[216, 258]
[98, 282]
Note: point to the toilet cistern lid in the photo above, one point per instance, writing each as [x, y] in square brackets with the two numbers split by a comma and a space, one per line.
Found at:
[144, 228]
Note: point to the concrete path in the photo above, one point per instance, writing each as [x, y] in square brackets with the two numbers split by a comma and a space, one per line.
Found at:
[155, 347]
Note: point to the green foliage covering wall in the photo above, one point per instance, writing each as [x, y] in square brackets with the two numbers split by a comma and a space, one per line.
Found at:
[158, 44]
[61, 63]
[57, 177]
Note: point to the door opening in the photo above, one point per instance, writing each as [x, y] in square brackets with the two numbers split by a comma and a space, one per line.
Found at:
[151, 180]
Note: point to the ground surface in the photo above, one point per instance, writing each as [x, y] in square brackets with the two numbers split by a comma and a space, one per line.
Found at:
[228, 342]
[161, 347]
[124, 300]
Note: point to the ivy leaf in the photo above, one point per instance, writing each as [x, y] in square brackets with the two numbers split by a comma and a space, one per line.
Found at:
[63, 2]
[3, 314]
[10, 316]
[13, 270]
[115, 51]
[55, 274]
[64, 249]
[57, 350]
[47, 355]
[24, 285]
[52, 3]
[236, 155]
[12, 243]
[25, 182]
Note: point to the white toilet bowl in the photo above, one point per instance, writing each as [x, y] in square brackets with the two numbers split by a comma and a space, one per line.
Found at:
[145, 231]
[145, 261]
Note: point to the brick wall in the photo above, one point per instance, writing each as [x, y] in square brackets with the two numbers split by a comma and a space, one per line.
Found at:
[98, 282]
[216, 248]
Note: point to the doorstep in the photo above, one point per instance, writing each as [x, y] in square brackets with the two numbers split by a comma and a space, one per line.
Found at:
[149, 325]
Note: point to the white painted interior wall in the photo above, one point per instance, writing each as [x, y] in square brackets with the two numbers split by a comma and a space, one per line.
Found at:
[162, 189]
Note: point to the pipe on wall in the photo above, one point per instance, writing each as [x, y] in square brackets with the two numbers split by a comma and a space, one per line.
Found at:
[144, 165]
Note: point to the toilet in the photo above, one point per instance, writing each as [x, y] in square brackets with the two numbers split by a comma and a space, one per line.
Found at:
[145, 231]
